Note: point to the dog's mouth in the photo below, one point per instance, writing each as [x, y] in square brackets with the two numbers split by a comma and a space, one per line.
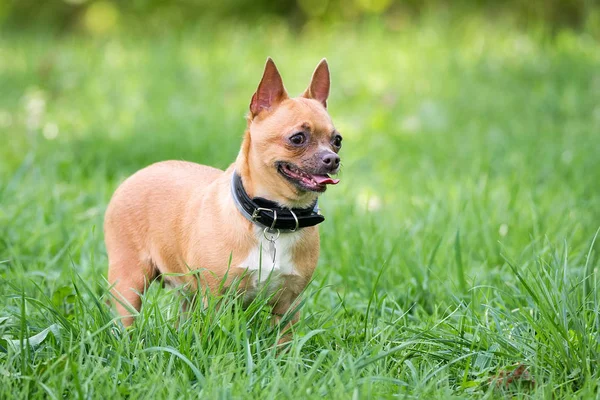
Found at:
[304, 179]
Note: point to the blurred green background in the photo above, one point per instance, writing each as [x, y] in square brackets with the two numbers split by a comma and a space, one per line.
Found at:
[103, 16]
[462, 227]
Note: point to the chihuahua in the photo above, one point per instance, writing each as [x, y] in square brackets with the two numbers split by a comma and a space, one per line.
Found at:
[255, 221]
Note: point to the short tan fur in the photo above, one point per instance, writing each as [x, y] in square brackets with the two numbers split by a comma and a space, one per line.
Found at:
[174, 216]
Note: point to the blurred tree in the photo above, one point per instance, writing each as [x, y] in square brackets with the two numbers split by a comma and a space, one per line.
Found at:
[99, 15]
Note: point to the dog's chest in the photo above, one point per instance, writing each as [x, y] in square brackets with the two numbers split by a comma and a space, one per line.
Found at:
[271, 262]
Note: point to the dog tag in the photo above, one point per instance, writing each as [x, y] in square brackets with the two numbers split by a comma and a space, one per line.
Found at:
[274, 253]
[272, 238]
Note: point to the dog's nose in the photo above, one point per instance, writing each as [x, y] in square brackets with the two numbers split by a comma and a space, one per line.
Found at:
[331, 160]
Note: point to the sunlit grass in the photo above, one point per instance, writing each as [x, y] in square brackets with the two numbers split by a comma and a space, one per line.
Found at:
[458, 255]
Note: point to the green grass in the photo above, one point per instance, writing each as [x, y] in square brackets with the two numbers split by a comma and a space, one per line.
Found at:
[458, 247]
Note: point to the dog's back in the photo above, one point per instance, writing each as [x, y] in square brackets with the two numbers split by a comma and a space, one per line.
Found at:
[151, 200]
[144, 223]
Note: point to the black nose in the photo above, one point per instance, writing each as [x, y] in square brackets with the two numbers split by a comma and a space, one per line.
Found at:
[331, 160]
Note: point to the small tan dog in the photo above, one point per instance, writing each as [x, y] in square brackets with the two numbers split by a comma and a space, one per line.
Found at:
[174, 217]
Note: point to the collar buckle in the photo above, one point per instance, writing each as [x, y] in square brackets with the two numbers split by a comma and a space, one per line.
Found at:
[256, 216]
[256, 213]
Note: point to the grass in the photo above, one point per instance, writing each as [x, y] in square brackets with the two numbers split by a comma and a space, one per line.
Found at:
[459, 255]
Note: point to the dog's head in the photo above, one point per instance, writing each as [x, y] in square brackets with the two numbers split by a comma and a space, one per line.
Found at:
[291, 146]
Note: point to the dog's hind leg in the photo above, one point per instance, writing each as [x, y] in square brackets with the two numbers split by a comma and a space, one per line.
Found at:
[129, 277]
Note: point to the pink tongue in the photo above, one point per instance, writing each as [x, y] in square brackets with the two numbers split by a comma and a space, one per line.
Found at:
[325, 180]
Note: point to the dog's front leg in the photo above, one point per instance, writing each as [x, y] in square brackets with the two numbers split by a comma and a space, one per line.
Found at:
[285, 310]
[287, 329]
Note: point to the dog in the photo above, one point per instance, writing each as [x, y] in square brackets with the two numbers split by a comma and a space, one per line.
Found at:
[255, 221]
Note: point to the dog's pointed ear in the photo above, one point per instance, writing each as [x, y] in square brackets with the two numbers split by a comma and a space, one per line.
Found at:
[270, 90]
[319, 84]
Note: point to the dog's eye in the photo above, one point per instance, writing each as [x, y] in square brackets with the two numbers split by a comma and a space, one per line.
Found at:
[337, 141]
[298, 139]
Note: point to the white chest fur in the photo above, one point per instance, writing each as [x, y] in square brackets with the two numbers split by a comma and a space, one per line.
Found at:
[268, 259]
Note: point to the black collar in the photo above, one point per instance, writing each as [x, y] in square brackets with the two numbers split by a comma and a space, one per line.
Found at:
[271, 215]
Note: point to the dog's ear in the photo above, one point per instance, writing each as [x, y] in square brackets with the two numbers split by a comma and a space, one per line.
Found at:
[270, 90]
[319, 84]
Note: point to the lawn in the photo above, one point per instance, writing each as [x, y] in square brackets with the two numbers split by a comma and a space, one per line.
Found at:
[458, 254]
